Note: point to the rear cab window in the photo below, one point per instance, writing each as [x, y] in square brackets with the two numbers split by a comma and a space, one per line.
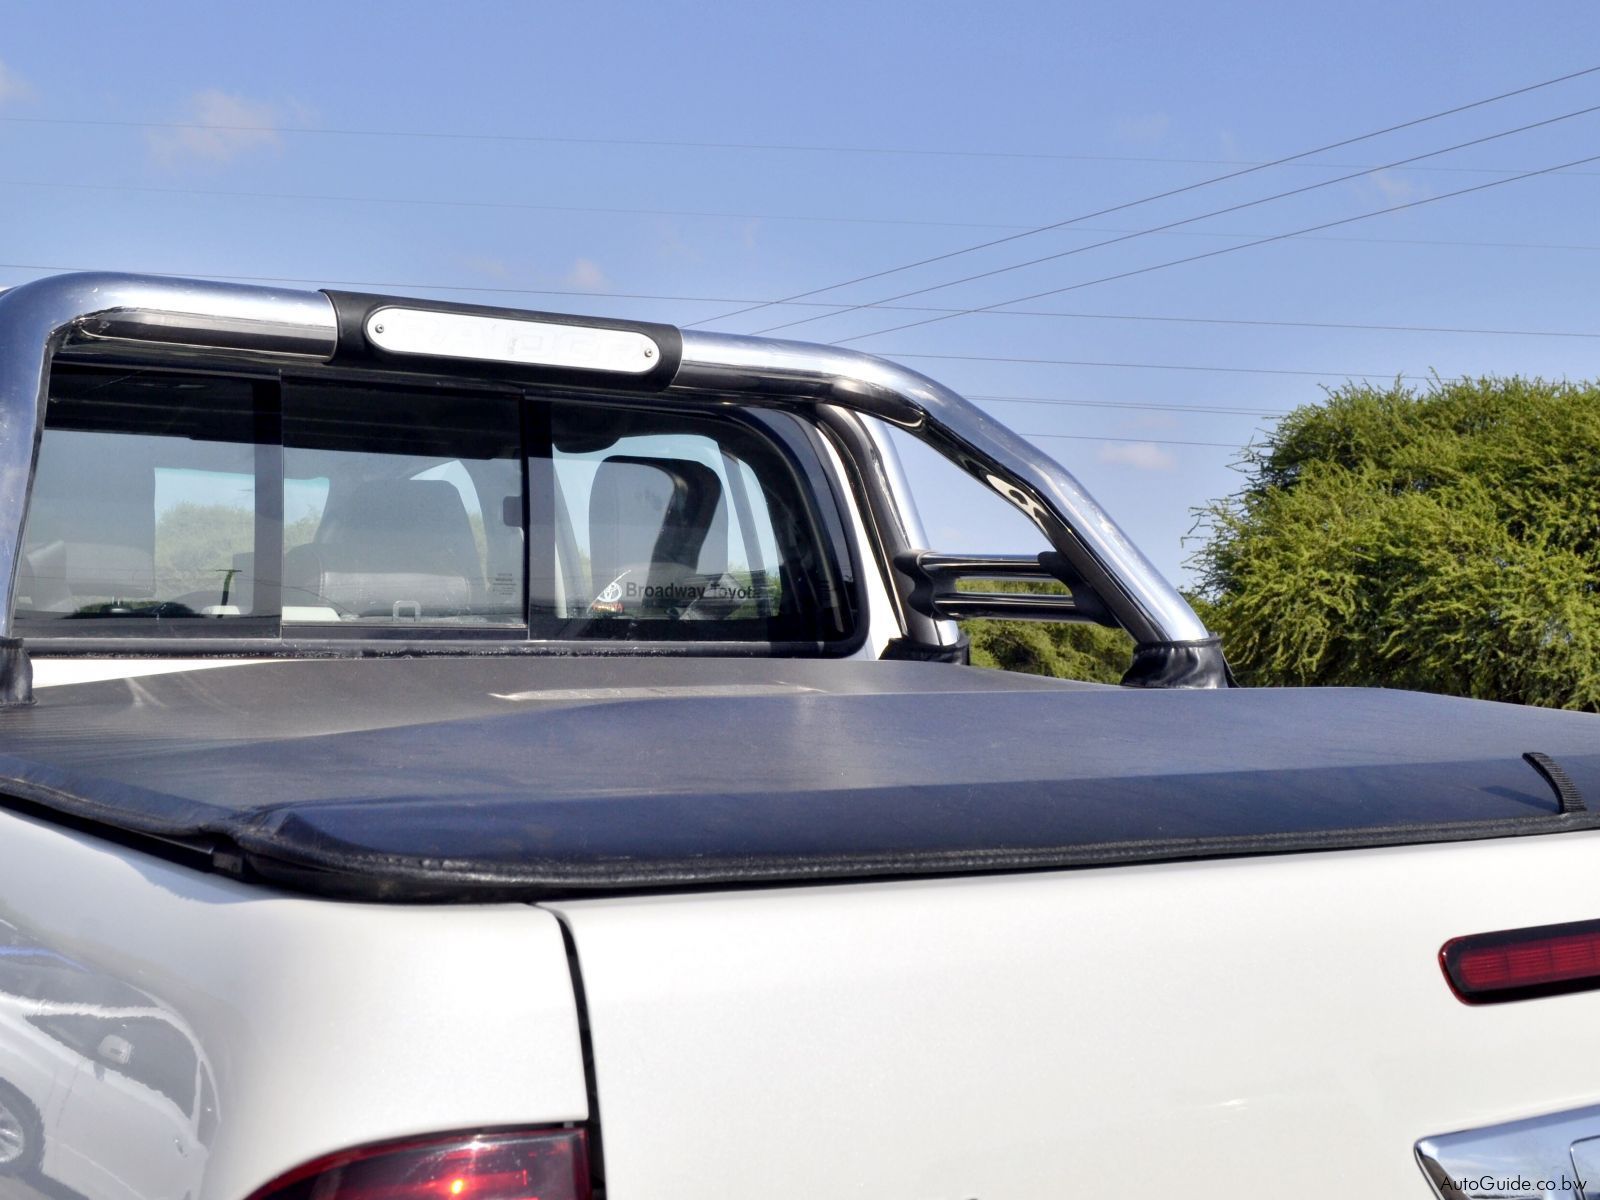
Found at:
[193, 507]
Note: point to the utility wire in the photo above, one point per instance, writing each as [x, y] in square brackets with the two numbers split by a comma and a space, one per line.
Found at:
[1078, 362]
[389, 284]
[1095, 437]
[678, 144]
[1224, 250]
[821, 218]
[1027, 312]
[512, 205]
[1460, 108]
[1216, 212]
[1062, 401]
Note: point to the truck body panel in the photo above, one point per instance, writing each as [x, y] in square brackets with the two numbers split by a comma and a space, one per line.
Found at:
[1205, 1029]
[317, 1020]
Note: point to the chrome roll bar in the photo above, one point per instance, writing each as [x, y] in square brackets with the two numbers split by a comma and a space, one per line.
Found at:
[1138, 596]
[194, 322]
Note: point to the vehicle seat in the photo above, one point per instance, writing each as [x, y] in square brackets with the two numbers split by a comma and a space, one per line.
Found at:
[389, 548]
[661, 520]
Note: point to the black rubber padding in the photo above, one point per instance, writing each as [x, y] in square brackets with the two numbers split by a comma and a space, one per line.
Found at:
[353, 308]
[907, 650]
[1567, 793]
[1179, 665]
[16, 674]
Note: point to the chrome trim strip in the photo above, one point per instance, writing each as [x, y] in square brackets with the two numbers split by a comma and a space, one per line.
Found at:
[258, 339]
[1546, 1156]
[182, 317]
[890, 474]
[1149, 607]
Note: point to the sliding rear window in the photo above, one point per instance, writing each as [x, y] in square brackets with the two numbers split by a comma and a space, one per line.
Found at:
[192, 506]
[146, 504]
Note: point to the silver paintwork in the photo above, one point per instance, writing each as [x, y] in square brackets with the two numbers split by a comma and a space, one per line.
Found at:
[1538, 1158]
[194, 320]
[324, 1025]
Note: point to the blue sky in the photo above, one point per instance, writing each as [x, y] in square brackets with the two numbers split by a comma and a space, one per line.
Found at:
[1002, 117]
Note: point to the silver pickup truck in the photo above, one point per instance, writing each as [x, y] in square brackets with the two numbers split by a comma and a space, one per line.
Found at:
[450, 752]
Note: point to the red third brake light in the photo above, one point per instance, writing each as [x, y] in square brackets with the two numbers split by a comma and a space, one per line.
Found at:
[533, 1165]
[1518, 964]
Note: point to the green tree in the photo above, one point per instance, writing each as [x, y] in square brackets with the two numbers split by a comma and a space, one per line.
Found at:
[1445, 539]
[195, 546]
[1066, 650]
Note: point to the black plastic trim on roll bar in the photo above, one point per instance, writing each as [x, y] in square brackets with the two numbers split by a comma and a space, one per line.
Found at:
[937, 593]
[354, 310]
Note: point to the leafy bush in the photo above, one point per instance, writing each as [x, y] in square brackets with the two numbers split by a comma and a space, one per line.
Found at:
[1445, 539]
[1067, 651]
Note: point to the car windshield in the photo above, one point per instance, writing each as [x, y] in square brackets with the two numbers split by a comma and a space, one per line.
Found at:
[192, 505]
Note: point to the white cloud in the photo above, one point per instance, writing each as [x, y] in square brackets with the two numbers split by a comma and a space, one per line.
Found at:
[1394, 188]
[673, 247]
[1141, 456]
[587, 276]
[485, 264]
[1146, 127]
[12, 85]
[234, 126]
[1154, 421]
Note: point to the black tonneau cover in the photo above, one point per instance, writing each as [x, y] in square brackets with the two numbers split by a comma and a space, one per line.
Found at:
[464, 779]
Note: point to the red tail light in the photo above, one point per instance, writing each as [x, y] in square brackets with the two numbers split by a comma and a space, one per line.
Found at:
[534, 1165]
[1518, 964]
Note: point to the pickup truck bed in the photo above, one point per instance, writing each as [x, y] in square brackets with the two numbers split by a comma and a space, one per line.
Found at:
[563, 767]
[485, 778]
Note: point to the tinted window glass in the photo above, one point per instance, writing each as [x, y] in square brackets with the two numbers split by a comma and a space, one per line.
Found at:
[144, 502]
[668, 525]
[197, 505]
[402, 508]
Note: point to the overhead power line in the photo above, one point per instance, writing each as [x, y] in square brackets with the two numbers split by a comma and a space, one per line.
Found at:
[1205, 216]
[1070, 402]
[1145, 366]
[433, 286]
[683, 144]
[1095, 437]
[716, 214]
[1288, 158]
[1216, 253]
[512, 205]
[1033, 312]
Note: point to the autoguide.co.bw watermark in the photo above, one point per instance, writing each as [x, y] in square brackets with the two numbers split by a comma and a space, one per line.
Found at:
[1484, 1186]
